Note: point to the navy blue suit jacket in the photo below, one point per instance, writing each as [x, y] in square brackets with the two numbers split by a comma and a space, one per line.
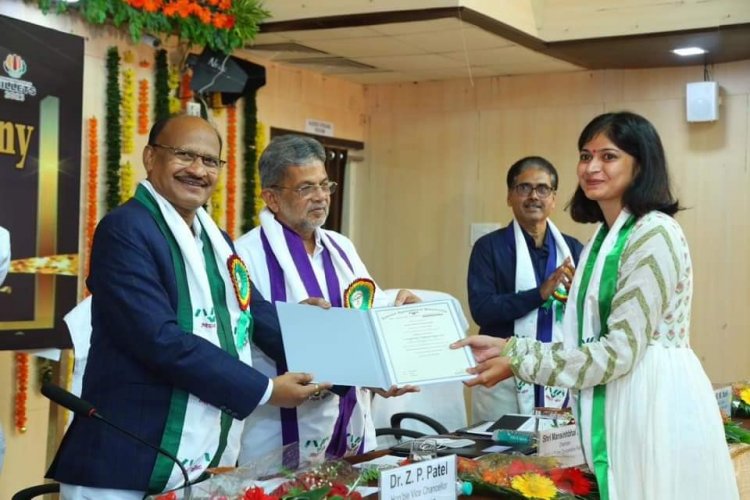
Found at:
[493, 300]
[139, 354]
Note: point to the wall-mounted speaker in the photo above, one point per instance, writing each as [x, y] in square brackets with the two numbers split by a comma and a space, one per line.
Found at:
[702, 101]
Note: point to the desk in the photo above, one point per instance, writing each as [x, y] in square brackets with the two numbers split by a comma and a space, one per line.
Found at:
[740, 454]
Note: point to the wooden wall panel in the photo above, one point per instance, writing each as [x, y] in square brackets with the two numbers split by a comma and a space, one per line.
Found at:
[488, 125]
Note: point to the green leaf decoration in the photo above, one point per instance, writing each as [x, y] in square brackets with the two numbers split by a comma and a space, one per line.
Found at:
[113, 136]
[222, 25]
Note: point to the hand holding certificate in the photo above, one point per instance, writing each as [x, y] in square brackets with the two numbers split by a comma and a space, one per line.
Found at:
[378, 347]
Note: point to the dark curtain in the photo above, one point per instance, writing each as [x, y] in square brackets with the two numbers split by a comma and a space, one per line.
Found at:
[336, 168]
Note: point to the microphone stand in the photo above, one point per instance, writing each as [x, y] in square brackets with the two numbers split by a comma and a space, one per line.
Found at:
[85, 409]
[185, 477]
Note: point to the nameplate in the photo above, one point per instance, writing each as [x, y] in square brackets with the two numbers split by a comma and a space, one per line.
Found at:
[319, 127]
[562, 443]
[724, 398]
[426, 480]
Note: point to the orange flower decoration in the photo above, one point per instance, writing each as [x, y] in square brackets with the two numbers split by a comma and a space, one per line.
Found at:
[92, 186]
[143, 106]
[231, 170]
[22, 389]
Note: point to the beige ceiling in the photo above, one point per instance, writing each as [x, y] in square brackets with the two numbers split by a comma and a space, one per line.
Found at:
[377, 41]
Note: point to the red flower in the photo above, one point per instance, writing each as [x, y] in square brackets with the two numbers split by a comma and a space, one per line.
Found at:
[338, 490]
[151, 5]
[203, 14]
[223, 21]
[571, 480]
[521, 467]
[256, 493]
[167, 496]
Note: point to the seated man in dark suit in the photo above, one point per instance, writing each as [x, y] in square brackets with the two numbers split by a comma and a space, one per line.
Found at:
[173, 316]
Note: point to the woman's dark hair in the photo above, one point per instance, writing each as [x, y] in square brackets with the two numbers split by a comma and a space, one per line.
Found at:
[526, 163]
[650, 189]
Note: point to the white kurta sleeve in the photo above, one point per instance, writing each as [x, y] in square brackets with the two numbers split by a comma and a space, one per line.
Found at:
[650, 268]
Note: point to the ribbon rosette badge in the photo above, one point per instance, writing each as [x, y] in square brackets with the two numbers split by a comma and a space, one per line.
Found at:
[241, 283]
[240, 280]
[360, 294]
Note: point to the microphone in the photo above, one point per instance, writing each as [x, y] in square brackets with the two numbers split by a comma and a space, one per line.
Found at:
[85, 409]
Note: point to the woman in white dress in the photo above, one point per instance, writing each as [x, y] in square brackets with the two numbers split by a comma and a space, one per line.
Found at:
[648, 419]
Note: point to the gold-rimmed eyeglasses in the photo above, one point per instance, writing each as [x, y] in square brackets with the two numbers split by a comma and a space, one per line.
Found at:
[308, 190]
[525, 189]
[186, 157]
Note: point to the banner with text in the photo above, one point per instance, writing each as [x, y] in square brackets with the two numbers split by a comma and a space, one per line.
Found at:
[41, 87]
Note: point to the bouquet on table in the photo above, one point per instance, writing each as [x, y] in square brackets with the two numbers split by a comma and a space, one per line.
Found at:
[268, 479]
[734, 432]
[741, 399]
[515, 476]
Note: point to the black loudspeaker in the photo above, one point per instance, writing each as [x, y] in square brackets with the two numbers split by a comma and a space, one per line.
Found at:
[231, 77]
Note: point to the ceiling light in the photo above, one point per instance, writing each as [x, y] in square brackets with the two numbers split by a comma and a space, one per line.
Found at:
[689, 51]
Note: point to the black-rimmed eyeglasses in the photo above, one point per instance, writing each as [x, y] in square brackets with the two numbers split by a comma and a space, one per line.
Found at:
[525, 189]
[308, 190]
[186, 157]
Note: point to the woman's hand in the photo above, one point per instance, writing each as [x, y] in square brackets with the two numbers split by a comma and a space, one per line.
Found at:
[483, 347]
[406, 297]
[490, 372]
[394, 391]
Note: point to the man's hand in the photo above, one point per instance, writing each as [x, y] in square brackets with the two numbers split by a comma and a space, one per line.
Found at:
[406, 297]
[490, 372]
[563, 275]
[293, 389]
[395, 391]
[317, 301]
[483, 347]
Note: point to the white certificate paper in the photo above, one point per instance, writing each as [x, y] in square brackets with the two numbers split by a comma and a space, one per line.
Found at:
[376, 348]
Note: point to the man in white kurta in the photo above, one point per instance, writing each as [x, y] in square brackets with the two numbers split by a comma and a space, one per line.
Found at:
[292, 259]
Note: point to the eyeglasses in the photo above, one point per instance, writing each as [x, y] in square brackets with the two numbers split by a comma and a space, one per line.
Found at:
[525, 189]
[188, 157]
[308, 190]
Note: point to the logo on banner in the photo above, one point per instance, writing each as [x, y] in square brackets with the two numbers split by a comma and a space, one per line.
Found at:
[14, 88]
[14, 65]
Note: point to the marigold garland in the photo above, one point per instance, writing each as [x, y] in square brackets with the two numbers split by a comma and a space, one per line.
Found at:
[128, 57]
[175, 105]
[22, 390]
[113, 129]
[231, 212]
[218, 205]
[223, 25]
[186, 94]
[127, 182]
[143, 106]
[92, 185]
[261, 140]
[127, 105]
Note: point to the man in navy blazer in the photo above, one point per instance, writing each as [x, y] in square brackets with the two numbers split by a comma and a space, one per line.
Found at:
[139, 355]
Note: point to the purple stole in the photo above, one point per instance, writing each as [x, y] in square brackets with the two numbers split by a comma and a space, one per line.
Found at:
[289, 430]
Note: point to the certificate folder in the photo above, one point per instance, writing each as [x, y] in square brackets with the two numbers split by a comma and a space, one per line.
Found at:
[375, 348]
